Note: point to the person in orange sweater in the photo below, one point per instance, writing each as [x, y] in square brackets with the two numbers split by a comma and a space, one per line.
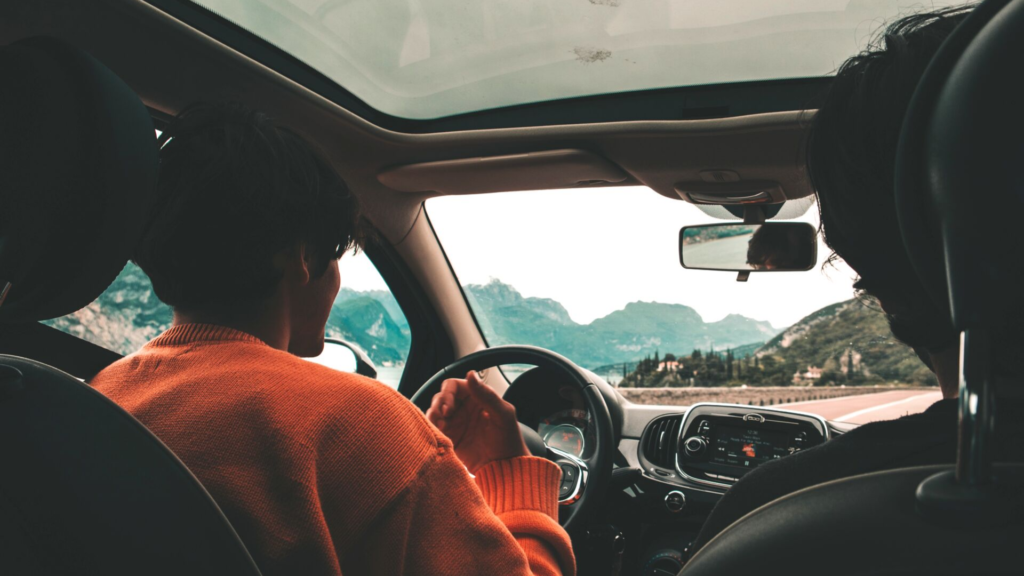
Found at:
[320, 472]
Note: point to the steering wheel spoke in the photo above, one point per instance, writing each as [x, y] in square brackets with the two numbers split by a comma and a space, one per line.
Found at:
[574, 476]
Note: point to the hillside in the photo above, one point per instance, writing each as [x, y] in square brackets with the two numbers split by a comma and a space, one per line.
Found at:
[128, 314]
[638, 330]
[367, 322]
[847, 343]
[123, 318]
[834, 335]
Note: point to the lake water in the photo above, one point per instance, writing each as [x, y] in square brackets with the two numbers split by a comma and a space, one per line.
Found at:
[390, 375]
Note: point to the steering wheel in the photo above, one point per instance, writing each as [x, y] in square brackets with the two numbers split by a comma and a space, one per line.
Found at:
[584, 480]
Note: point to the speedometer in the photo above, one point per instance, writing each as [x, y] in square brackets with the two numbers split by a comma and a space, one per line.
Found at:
[565, 437]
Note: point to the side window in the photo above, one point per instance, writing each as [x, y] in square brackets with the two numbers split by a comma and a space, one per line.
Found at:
[365, 313]
[128, 314]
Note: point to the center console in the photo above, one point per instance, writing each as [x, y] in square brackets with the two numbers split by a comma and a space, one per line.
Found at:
[719, 443]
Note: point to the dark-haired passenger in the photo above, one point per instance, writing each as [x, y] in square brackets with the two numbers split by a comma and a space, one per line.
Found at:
[781, 248]
[852, 158]
[319, 472]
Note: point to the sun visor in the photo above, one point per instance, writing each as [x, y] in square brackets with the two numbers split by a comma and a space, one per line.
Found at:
[546, 170]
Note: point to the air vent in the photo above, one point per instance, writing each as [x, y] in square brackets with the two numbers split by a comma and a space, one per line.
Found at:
[659, 441]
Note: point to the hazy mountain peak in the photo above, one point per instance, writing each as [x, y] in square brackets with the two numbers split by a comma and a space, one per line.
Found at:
[496, 294]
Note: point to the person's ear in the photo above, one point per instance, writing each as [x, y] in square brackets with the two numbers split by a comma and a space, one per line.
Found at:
[306, 262]
[297, 264]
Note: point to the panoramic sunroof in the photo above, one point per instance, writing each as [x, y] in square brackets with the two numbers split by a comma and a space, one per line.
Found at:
[425, 59]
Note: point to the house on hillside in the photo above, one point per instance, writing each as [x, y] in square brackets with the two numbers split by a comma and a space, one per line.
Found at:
[812, 374]
[672, 365]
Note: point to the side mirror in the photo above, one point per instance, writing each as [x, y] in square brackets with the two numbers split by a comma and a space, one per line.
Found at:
[345, 357]
[737, 247]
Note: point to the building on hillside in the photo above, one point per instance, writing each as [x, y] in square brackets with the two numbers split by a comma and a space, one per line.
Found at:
[670, 365]
[812, 374]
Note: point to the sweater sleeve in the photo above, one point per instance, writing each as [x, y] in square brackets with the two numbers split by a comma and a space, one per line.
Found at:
[445, 523]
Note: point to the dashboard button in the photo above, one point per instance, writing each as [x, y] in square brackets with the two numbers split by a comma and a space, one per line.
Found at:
[675, 501]
[568, 473]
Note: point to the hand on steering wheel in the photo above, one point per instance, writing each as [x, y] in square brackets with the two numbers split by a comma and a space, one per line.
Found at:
[482, 427]
[460, 409]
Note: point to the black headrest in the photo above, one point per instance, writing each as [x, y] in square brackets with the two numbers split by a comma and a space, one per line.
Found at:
[78, 166]
[960, 170]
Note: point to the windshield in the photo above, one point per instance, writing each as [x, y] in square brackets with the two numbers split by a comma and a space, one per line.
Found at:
[426, 59]
[595, 275]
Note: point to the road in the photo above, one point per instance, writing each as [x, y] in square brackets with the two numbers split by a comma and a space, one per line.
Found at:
[869, 407]
[727, 253]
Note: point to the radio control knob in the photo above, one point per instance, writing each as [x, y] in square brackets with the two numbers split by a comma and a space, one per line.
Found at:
[695, 446]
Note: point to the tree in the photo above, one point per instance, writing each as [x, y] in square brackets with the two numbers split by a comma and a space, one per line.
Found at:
[670, 357]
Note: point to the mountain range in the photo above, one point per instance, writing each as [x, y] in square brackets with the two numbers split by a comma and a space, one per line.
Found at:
[637, 330]
[128, 315]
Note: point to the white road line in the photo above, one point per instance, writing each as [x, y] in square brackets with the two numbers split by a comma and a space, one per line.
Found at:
[839, 398]
[846, 417]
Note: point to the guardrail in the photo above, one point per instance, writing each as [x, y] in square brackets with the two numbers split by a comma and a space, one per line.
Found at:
[751, 396]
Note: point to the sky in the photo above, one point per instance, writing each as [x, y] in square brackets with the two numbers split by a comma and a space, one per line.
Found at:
[595, 250]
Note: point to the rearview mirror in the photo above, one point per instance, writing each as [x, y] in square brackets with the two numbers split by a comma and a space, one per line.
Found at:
[773, 246]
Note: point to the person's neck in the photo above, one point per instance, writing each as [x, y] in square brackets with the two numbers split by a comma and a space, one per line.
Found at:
[946, 365]
[266, 321]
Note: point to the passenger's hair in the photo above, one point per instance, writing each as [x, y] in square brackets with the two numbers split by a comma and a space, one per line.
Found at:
[787, 247]
[851, 160]
[235, 190]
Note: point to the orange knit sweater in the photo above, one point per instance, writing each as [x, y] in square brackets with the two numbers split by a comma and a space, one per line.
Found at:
[322, 472]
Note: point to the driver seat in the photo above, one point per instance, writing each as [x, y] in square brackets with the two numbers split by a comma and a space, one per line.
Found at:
[85, 488]
[958, 186]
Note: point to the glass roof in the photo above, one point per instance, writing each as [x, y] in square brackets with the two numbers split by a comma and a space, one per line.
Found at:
[424, 59]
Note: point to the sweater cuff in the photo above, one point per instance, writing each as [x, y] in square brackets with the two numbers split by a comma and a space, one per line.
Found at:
[521, 483]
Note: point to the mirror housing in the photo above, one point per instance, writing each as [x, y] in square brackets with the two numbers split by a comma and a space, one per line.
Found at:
[345, 357]
[739, 247]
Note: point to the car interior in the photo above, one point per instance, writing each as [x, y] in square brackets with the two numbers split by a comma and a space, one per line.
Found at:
[86, 489]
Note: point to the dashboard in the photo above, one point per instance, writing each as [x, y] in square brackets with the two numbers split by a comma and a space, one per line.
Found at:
[672, 463]
[720, 443]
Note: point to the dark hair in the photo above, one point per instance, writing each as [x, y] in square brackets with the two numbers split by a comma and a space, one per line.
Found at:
[787, 247]
[851, 157]
[235, 190]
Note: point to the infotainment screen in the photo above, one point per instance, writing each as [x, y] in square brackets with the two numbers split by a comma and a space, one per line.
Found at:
[747, 447]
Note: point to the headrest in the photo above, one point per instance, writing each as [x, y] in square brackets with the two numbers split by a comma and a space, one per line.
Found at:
[78, 167]
[960, 170]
